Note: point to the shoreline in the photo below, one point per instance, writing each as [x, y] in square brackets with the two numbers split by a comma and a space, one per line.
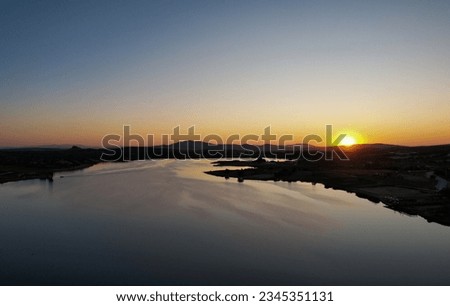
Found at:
[414, 181]
[37, 174]
[377, 186]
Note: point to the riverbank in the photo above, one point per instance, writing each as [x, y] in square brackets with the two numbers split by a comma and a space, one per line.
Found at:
[408, 185]
[17, 165]
[411, 180]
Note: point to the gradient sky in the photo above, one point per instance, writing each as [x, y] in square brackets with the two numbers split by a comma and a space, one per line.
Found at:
[74, 71]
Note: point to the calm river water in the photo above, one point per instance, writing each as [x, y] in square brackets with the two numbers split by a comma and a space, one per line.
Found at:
[166, 222]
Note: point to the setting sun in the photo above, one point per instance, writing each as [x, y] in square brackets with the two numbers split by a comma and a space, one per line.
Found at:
[348, 141]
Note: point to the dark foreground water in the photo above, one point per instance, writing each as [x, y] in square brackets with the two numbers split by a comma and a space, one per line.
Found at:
[165, 222]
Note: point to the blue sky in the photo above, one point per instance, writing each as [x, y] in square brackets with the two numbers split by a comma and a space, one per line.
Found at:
[73, 71]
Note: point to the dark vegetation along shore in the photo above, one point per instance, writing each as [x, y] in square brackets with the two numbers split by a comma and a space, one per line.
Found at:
[411, 180]
[42, 163]
[414, 181]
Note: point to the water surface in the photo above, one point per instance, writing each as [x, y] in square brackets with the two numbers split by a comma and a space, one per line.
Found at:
[166, 222]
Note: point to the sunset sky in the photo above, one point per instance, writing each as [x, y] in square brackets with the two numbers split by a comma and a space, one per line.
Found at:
[74, 71]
